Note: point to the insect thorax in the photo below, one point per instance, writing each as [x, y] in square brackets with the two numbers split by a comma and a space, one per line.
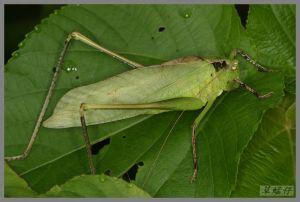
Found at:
[227, 76]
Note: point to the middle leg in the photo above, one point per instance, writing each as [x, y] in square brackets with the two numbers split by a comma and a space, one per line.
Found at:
[84, 107]
[194, 127]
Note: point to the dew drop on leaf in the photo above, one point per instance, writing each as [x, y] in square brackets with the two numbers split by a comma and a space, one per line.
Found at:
[70, 69]
[70, 66]
[186, 13]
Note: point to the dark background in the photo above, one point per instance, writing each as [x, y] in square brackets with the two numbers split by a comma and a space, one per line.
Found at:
[21, 19]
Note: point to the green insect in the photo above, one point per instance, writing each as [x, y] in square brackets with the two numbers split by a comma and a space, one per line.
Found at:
[188, 83]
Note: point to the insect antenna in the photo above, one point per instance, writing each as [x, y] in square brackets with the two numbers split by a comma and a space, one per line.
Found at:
[258, 66]
[153, 164]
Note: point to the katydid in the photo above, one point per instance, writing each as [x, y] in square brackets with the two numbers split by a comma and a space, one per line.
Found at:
[187, 83]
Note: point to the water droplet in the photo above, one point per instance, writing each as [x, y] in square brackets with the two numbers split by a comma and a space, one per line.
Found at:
[27, 35]
[102, 178]
[186, 15]
[70, 66]
[71, 69]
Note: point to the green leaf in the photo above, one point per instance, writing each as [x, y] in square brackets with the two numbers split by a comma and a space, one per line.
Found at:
[14, 186]
[97, 186]
[270, 157]
[80, 186]
[162, 142]
[272, 29]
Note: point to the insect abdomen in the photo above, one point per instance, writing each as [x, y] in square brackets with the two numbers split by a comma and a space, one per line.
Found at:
[143, 85]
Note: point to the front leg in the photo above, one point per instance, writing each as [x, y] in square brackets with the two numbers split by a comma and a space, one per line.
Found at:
[86, 139]
[85, 106]
[251, 90]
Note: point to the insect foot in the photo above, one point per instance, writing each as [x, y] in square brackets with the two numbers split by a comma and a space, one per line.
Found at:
[267, 95]
[19, 157]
